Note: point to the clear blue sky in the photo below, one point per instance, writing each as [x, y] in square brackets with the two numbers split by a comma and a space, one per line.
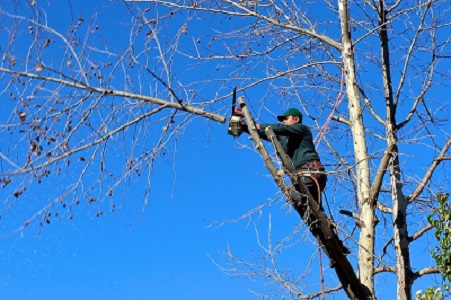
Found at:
[169, 250]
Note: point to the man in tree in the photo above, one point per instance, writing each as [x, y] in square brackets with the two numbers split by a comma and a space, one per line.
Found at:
[297, 142]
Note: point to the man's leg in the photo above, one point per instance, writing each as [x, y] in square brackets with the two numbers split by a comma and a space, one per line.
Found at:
[302, 207]
[300, 201]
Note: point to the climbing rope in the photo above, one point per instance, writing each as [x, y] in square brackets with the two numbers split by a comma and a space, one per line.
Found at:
[322, 130]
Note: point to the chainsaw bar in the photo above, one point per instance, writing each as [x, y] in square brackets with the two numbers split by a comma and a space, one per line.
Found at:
[236, 123]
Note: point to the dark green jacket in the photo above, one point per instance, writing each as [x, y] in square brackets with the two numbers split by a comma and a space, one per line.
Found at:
[296, 140]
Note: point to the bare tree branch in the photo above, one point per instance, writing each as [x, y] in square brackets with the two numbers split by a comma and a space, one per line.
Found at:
[341, 120]
[385, 269]
[107, 92]
[318, 294]
[421, 232]
[425, 271]
[382, 169]
[412, 197]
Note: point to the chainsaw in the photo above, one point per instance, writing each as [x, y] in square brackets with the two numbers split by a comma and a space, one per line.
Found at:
[237, 124]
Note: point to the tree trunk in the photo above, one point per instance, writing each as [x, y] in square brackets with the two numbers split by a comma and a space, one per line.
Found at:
[366, 249]
[401, 236]
[401, 240]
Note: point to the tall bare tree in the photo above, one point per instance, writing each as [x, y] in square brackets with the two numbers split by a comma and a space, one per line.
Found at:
[371, 74]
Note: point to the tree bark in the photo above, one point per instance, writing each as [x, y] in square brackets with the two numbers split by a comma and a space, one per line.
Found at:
[367, 205]
[400, 202]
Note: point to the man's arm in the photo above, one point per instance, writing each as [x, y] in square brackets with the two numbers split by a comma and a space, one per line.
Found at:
[282, 129]
[261, 131]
